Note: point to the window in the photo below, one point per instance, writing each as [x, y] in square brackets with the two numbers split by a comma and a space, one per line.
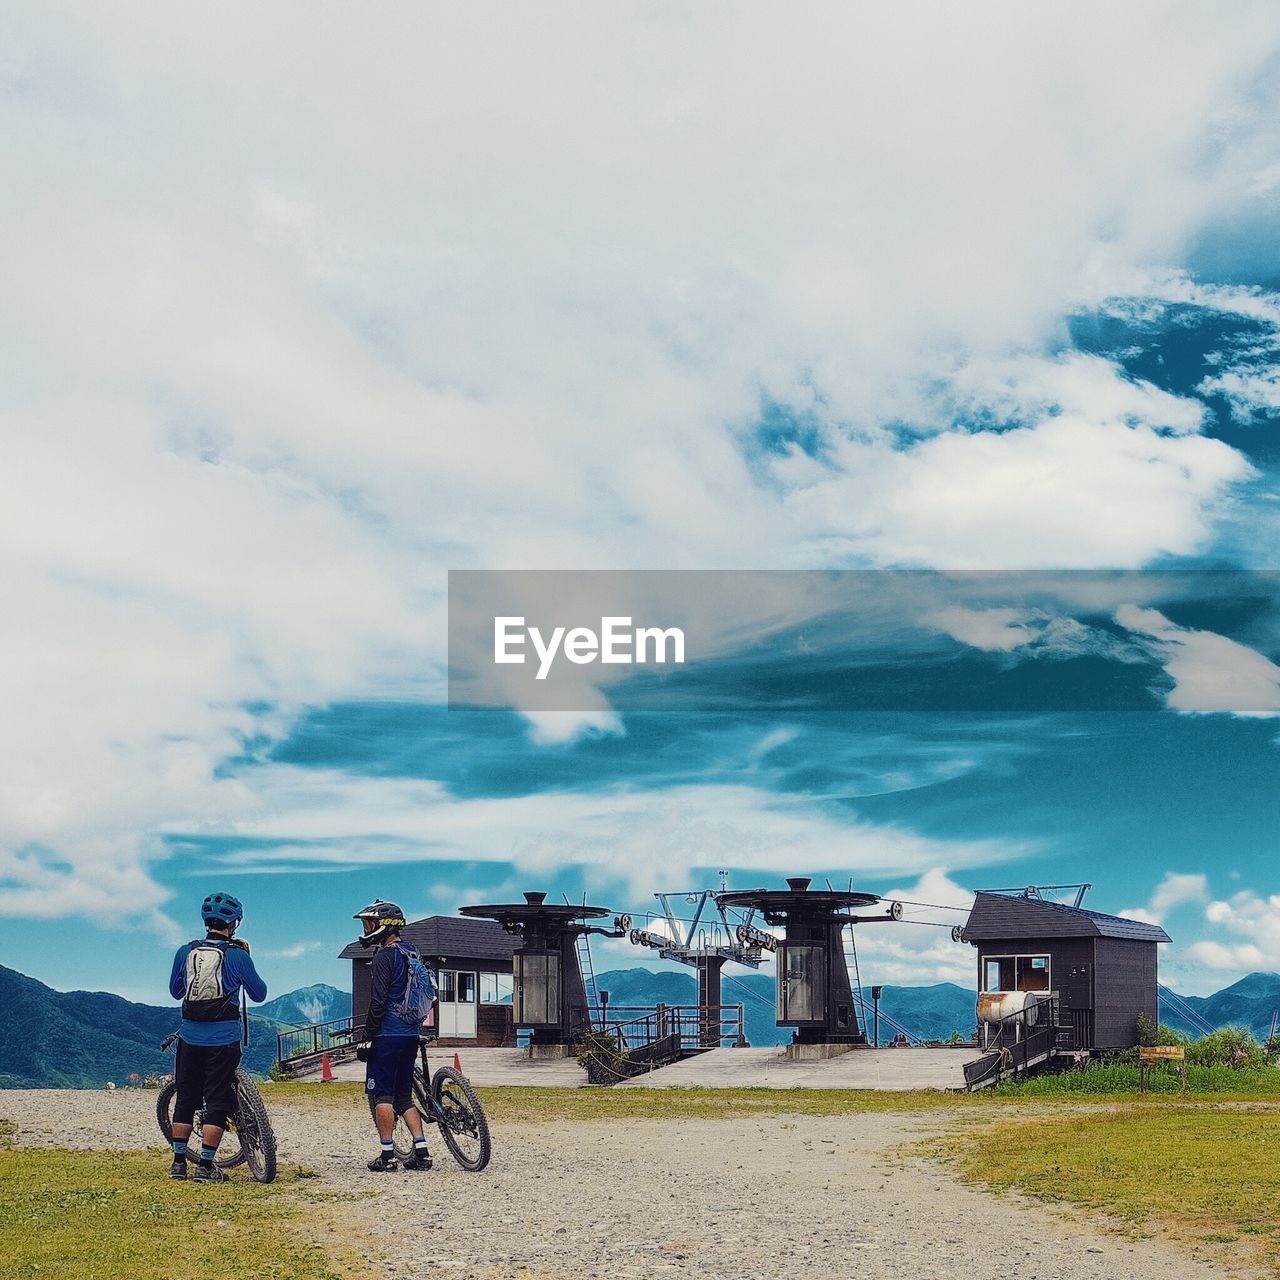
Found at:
[466, 988]
[495, 988]
[1015, 973]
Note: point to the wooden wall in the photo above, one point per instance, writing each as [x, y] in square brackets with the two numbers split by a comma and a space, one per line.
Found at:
[1124, 985]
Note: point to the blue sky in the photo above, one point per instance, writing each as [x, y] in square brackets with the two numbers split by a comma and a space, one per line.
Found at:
[663, 290]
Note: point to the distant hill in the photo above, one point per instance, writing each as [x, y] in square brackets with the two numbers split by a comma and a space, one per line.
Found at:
[1252, 1002]
[318, 1003]
[929, 1013]
[81, 1039]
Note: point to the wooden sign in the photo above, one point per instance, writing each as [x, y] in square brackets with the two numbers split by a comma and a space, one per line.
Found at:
[1163, 1053]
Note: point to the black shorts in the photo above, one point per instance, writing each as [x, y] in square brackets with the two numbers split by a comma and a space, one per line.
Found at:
[206, 1078]
[389, 1071]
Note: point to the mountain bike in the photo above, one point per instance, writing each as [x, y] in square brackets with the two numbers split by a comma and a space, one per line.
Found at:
[248, 1137]
[450, 1102]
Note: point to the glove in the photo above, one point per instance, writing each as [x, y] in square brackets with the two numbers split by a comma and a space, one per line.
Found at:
[363, 1050]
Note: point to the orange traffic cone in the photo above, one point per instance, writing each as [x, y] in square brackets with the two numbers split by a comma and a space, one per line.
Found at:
[457, 1064]
[326, 1071]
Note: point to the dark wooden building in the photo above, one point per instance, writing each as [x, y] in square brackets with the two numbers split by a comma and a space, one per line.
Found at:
[1100, 968]
[472, 963]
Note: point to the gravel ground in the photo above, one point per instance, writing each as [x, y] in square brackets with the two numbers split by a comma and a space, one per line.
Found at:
[760, 1197]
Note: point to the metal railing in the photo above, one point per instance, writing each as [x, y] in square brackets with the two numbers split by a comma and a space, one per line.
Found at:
[1015, 1043]
[692, 1026]
[299, 1047]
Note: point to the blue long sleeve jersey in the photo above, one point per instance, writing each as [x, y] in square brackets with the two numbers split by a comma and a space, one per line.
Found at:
[237, 971]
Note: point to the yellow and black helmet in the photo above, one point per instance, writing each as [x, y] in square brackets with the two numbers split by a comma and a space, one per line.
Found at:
[380, 918]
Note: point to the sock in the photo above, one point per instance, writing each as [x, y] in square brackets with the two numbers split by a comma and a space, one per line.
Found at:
[421, 1143]
[388, 1149]
[179, 1147]
[207, 1153]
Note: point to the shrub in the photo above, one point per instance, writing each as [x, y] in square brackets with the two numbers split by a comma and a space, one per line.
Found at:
[1122, 1077]
[1153, 1033]
[1228, 1047]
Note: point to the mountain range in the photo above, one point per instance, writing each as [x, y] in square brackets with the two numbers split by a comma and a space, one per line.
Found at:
[82, 1039]
[318, 1003]
[1252, 1002]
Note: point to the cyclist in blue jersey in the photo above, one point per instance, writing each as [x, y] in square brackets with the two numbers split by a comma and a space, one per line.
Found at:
[388, 1041]
[207, 977]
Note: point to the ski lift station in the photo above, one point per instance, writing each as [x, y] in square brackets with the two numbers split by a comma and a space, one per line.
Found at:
[1055, 980]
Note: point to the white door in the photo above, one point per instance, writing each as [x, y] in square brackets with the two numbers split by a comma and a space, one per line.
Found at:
[457, 1004]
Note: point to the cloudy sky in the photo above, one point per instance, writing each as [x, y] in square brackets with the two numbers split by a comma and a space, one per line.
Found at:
[303, 308]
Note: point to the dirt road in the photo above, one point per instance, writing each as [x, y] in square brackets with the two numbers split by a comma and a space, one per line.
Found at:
[758, 1197]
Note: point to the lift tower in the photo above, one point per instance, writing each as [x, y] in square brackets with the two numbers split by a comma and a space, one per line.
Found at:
[814, 995]
[549, 996]
[705, 942]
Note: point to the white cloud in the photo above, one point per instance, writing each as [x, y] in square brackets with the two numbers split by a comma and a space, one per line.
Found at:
[1248, 928]
[996, 630]
[280, 347]
[1152, 288]
[293, 952]
[1210, 672]
[1069, 491]
[1175, 890]
[1249, 392]
[920, 950]
[644, 840]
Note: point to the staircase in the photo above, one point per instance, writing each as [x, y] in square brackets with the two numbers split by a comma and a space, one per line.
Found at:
[1015, 1045]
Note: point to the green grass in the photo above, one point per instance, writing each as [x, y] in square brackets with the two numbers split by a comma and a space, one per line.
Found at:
[109, 1215]
[1262, 1084]
[1204, 1174]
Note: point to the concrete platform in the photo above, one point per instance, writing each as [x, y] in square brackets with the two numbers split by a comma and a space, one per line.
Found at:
[894, 1069]
[488, 1068]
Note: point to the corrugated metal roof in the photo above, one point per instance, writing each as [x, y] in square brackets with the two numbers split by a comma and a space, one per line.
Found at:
[451, 936]
[1000, 915]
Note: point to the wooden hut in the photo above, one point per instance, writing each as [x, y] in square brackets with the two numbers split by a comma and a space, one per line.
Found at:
[1101, 969]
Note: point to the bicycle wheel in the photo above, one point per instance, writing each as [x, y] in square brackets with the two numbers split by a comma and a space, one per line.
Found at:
[164, 1110]
[461, 1118]
[230, 1149]
[252, 1127]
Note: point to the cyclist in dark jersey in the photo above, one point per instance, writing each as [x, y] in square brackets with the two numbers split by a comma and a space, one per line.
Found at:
[388, 1045]
[207, 977]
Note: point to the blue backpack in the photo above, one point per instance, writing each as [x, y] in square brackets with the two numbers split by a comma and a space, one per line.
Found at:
[419, 989]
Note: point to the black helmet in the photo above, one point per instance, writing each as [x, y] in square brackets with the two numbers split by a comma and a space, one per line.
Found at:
[380, 918]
